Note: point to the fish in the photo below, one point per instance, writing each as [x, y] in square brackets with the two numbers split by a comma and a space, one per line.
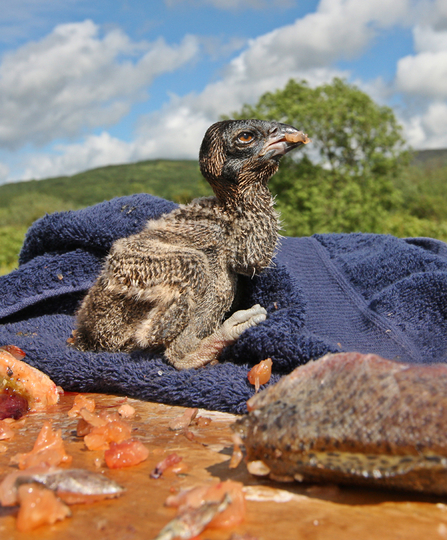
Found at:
[22, 387]
[70, 485]
[352, 419]
[299, 136]
[193, 521]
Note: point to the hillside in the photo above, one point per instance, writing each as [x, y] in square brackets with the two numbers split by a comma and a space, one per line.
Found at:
[180, 181]
[176, 180]
[436, 157]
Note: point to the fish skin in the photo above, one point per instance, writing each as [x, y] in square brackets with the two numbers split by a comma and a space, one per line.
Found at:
[80, 481]
[351, 418]
[192, 522]
[71, 482]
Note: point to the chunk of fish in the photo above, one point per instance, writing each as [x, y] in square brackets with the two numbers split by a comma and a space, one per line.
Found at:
[296, 137]
[17, 377]
[351, 418]
[193, 521]
[71, 485]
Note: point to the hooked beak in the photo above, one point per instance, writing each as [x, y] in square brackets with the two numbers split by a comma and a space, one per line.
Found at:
[282, 139]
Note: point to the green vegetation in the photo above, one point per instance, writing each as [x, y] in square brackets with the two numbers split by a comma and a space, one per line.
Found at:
[11, 240]
[356, 175]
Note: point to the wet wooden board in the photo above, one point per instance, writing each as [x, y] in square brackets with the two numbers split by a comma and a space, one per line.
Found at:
[274, 511]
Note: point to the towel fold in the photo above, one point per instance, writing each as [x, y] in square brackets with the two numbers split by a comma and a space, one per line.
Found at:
[327, 293]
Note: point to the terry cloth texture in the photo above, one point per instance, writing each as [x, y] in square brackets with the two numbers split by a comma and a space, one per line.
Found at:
[327, 293]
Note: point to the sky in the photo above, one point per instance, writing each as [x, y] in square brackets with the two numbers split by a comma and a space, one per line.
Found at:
[85, 84]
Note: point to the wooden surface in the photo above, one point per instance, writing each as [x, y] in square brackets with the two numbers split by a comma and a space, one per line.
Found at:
[274, 511]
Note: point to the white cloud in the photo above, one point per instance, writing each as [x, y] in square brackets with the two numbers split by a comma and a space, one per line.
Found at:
[338, 29]
[94, 151]
[433, 13]
[174, 132]
[421, 80]
[425, 73]
[74, 79]
[175, 136]
[427, 39]
[427, 129]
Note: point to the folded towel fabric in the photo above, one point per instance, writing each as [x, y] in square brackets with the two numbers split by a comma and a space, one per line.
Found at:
[327, 293]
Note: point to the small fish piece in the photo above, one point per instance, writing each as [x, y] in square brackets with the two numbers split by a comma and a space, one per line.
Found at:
[193, 521]
[48, 450]
[5, 431]
[260, 373]
[100, 430]
[297, 137]
[71, 485]
[351, 418]
[168, 461]
[19, 378]
[81, 401]
[127, 453]
[195, 497]
[14, 351]
[126, 410]
[183, 421]
[38, 506]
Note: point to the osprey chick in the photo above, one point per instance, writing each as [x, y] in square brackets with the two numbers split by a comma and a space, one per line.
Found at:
[170, 286]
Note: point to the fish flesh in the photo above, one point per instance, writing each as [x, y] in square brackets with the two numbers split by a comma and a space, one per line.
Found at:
[17, 378]
[298, 136]
[352, 418]
[38, 506]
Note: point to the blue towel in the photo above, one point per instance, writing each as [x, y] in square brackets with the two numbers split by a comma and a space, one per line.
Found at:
[325, 293]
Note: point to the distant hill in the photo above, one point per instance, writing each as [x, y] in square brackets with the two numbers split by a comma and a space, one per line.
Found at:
[437, 158]
[174, 180]
[179, 181]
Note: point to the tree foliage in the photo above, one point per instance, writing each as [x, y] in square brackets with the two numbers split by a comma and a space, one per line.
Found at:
[345, 179]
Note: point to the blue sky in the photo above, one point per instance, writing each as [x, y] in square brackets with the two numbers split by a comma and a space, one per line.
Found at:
[85, 84]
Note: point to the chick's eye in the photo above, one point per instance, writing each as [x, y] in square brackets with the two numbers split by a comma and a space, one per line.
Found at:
[245, 137]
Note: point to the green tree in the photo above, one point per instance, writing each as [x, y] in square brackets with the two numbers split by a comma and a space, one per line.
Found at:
[344, 180]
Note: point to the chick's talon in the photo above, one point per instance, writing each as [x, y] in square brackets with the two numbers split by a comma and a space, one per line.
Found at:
[240, 321]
